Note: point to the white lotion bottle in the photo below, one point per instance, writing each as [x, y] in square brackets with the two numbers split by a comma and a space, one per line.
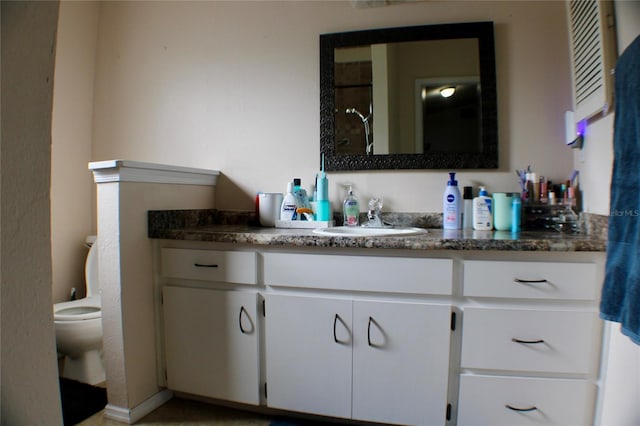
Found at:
[289, 204]
[452, 205]
[482, 212]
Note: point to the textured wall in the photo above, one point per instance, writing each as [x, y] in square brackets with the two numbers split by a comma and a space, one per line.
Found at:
[29, 379]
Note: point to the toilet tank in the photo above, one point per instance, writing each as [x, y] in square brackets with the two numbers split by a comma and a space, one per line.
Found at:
[91, 269]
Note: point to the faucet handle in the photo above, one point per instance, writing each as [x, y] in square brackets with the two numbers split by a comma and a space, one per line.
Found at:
[375, 203]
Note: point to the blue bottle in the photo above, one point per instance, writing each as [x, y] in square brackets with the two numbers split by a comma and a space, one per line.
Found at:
[516, 212]
[452, 205]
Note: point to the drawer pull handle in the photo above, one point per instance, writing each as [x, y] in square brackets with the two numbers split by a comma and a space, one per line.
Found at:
[527, 342]
[522, 410]
[521, 281]
[205, 265]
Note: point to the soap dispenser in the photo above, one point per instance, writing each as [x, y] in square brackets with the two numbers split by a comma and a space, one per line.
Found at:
[351, 209]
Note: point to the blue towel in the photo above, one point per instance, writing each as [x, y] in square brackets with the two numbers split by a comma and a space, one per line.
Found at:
[621, 289]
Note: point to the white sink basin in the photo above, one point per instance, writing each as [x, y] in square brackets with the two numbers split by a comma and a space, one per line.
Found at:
[360, 231]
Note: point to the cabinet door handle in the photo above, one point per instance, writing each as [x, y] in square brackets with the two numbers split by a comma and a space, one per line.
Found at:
[527, 342]
[382, 335]
[205, 265]
[242, 329]
[337, 318]
[522, 410]
[521, 281]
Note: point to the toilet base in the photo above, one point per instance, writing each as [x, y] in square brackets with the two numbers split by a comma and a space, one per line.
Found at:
[87, 368]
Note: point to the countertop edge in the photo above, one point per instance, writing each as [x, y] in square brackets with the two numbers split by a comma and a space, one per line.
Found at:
[240, 228]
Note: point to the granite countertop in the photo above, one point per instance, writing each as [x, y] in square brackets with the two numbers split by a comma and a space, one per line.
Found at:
[240, 228]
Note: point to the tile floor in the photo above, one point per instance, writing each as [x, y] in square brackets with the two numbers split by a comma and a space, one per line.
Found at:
[186, 412]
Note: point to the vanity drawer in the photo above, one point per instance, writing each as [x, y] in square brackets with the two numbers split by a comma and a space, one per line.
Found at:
[485, 400]
[359, 273]
[209, 265]
[530, 340]
[531, 280]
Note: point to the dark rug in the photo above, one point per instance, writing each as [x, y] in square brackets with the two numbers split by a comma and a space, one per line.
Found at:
[80, 401]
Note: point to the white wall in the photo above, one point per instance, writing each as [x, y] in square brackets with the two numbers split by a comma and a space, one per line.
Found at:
[72, 188]
[29, 381]
[234, 86]
[622, 372]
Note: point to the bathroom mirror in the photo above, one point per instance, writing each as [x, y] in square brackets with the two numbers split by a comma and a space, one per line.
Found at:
[420, 97]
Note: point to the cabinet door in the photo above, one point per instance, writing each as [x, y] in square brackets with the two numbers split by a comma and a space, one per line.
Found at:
[308, 351]
[211, 343]
[401, 362]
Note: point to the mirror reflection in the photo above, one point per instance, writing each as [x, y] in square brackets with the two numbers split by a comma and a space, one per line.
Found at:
[415, 97]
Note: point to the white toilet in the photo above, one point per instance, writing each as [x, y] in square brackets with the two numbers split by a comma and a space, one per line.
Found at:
[79, 328]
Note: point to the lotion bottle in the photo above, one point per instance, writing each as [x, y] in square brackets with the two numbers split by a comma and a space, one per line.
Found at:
[351, 209]
[289, 204]
[452, 205]
[482, 212]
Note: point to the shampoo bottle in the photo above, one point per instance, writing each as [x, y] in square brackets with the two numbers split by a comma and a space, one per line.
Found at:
[482, 212]
[351, 209]
[451, 205]
[289, 205]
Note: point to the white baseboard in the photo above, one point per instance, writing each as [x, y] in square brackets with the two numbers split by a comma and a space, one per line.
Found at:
[132, 415]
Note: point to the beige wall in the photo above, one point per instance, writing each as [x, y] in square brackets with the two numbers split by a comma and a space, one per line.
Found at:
[28, 381]
[234, 86]
[72, 206]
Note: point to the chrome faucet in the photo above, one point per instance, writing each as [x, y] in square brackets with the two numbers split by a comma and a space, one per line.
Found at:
[375, 213]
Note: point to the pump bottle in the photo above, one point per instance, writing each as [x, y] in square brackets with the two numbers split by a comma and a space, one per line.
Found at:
[351, 209]
[452, 205]
[482, 212]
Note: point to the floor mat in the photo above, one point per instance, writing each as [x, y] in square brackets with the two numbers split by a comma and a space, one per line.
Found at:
[80, 400]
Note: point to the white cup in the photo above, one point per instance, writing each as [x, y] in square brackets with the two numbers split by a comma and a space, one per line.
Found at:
[269, 204]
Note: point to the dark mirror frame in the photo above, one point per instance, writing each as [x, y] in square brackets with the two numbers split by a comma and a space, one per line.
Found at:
[487, 159]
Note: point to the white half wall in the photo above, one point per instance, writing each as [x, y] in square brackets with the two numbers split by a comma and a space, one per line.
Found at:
[126, 192]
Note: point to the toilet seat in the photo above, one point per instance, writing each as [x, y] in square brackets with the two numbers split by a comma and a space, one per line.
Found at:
[78, 310]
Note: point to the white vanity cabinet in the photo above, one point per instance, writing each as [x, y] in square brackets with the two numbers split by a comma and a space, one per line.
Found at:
[531, 342]
[392, 337]
[367, 358]
[210, 332]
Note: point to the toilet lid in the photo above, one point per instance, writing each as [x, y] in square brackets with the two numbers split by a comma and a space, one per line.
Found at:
[78, 310]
